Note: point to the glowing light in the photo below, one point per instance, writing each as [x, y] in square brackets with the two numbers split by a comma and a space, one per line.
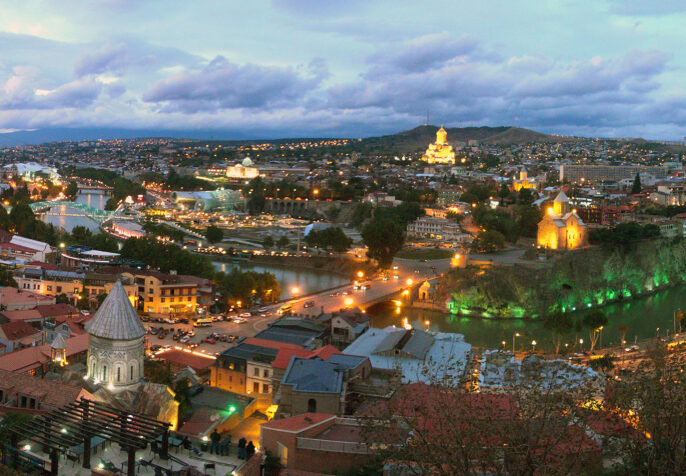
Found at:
[360, 274]
[295, 290]
[409, 281]
[551, 211]
[348, 302]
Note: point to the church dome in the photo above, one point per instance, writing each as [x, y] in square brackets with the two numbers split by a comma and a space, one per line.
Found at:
[116, 318]
[247, 162]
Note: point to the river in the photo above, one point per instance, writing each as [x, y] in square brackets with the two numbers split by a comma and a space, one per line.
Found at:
[96, 200]
[306, 280]
[642, 316]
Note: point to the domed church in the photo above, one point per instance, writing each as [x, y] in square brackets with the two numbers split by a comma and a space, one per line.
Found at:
[115, 348]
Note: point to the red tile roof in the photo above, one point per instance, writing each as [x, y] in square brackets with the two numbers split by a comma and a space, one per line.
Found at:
[186, 359]
[298, 422]
[40, 264]
[49, 392]
[17, 248]
[53, 310]
[33, 357]
[22, 315]
[283, 358]
[270, 344]
[16, 330]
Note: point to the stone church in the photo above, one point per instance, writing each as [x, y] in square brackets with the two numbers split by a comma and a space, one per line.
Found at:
[561, 228]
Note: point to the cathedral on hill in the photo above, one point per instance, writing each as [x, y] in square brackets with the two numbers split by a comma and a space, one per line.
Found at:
[440, 152]
[561, 228]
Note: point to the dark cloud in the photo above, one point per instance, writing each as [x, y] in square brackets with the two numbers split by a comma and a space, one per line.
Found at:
[225, 85]
[119, 57]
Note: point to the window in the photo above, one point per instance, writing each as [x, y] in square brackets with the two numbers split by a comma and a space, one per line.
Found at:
[131, 372]
[283, 454]
[104, 373]
[266, 373]
[256, 387]
[76, 290]
[59, 289]
[2, 395]
[23, 401]
[49, 288]
[149, 298]
[256, 372]
[265, 388]
[230, 378]
[231, 366]
[162, 299]
[312, 406]
[118, 374]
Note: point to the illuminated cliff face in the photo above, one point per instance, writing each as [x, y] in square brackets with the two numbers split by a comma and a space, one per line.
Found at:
[440, 152]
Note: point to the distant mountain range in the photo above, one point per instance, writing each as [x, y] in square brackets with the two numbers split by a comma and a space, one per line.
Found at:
[405, 141]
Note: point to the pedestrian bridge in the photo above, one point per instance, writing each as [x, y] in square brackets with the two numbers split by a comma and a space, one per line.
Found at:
[67, 208]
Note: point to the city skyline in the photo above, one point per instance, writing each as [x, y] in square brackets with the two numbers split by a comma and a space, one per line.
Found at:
[290, 68]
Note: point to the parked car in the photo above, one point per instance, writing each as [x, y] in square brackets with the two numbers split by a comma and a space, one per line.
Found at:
[308, 304]
[632, 348]
[245, 314]
[240, 320]
[209, 341]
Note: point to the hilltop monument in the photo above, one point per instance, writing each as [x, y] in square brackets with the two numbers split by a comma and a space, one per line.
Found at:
[440, 152]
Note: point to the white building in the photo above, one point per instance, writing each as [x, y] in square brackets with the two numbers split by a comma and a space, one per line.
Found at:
[436, 228]
[115, 346]
[42, 250]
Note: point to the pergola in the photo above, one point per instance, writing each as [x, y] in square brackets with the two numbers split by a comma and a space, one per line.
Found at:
[79, 422]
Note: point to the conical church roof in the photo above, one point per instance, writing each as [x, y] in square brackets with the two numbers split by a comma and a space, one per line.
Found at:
[116, 318]
[561, 197]
[58, 342]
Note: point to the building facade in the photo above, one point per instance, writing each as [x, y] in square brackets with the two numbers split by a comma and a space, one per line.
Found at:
[440, 152]
[562, 228]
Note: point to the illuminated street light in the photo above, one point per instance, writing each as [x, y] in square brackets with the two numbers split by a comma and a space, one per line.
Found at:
[533, 345]
[360, 274]
[409, 281]
[516, 334]
[295, 290]
[348, 302]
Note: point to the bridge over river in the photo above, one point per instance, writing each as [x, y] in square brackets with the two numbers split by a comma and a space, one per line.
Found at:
[67, 208]
[411, 274]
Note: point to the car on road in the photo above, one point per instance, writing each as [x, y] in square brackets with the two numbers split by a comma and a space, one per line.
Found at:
[365, 287]
[395, 276]
[308, 304]
[184, 340]
[395, 268]
[263, 309]
[244, 314]
[632, 348]
[209, 341]
[240, 320]
[336, 294]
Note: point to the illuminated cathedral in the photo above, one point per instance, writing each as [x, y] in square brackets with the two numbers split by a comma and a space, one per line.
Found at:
[561, 228]
[440, 152]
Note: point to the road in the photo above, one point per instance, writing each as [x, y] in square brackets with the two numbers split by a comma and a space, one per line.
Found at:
[347, 297]
[407, 269]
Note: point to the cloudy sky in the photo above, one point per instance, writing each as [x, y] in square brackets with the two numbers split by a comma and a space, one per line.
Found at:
[275, 68]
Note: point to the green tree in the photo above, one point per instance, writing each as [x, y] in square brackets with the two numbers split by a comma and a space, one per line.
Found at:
[255, 191]
[6, 278]
[72, 190]
[282, 242]
[111, 204]
[62, 299]
[214, 234]
[5, 221]
[332, 238]
[488, 241]
[559, 323]
[384, 238]
[594, 321]
[182, 395]
[268, 242]
[636, 186]
[21, 217]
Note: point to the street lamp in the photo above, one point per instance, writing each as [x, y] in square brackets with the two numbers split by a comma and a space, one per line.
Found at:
[503, 343]
[348, 302]
[295, 290]
[516, 334]
[533, 346]
[581, 343]
[409, 281]
[360, 274]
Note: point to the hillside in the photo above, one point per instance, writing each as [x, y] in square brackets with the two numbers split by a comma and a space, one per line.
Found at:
[417, 139]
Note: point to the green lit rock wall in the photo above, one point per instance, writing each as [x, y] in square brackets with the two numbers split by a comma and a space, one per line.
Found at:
[572, 281]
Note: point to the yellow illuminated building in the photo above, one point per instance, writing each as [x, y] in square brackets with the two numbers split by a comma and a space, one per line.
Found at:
[440, 152]
[523, 181]
[561, 228]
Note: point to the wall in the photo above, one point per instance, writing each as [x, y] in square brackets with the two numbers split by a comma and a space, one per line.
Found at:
[226, 379]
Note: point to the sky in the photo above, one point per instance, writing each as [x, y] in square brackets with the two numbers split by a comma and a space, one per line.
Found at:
[344, 68]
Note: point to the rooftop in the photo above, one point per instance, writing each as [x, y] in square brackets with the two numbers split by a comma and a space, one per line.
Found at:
[116, 318]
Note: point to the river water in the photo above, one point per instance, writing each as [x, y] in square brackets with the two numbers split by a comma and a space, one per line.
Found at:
[96, 200]
[306, 280]
[642, 316]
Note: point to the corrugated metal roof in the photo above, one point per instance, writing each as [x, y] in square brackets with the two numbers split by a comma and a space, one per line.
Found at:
[116, 318]
[313, 375]
[419, 344]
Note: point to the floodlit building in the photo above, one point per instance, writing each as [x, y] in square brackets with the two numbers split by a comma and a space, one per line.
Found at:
[115, 346]
[523, 181]
[562, 228]
[614, 173]
[440, 152]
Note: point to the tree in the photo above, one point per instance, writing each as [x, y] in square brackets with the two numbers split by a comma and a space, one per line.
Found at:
[329, 238]
[111, 204]
[5, 222]
[268, 242]
[214, 234]
[282, 242]
[636, 186]
[255, 191]
[559, 323]
[384, 238]
[62, 299]
[6, 278]
[488, 241]
[594, 321]
[21, 217]
[72, 190]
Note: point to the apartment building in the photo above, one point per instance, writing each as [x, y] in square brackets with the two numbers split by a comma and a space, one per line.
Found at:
[49, 282]
[162, 293]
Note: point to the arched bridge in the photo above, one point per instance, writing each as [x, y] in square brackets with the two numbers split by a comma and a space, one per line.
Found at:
[96, 214]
